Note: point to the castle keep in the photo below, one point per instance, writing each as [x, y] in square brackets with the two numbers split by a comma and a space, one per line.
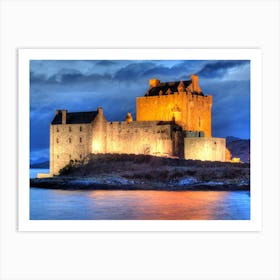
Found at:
[182, 102]
[173, 119]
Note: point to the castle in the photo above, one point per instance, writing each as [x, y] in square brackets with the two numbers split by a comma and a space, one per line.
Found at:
[173, 119]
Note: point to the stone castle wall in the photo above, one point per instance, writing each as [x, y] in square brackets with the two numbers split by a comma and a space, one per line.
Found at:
[203, 148]
[75, 141]
[139, 138]
[191, 111]
[68, 142]
[147, 137]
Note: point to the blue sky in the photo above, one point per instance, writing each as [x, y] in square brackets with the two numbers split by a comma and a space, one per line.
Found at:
[84, 85]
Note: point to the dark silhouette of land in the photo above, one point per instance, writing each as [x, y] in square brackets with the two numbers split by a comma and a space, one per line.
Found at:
[123, 171]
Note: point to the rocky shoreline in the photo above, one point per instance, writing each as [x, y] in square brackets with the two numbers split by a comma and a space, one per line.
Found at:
[119, 183]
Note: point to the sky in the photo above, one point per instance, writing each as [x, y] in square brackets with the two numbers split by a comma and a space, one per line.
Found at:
[84, 85]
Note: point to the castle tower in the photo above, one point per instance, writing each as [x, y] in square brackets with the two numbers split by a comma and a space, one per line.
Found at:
[182, 101]
[99, 133]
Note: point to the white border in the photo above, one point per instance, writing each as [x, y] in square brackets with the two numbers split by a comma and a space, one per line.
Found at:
[254, 55]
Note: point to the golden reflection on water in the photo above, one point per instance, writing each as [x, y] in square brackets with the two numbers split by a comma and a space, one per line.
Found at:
[164, 205]
[139, 205]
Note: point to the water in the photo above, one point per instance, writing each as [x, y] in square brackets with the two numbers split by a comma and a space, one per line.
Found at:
[34, 171]
[139, 205]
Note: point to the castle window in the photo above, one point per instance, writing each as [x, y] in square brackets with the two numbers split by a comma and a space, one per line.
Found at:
[81, 156]
[57, 156]
[69, 156]
[70, 140]
[81, 140]
[57, 140]
[81, 128]
[70, 129]
[57, 129]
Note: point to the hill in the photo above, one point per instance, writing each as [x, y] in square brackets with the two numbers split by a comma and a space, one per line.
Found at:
[239, 148]
[44, 164]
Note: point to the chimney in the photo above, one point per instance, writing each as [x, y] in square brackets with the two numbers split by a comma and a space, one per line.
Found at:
[181, 87]
[100, 110]
[195, 85]
[129, 118]
[64, 114]
[154, 82]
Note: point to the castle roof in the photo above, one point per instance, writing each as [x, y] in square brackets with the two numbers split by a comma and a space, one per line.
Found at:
[75, 117]
[171, 87]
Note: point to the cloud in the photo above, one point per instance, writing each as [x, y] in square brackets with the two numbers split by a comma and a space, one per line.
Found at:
[68, 77]
[219, 69]
[231, 108]
[133, 71]
[106, 63]
[163, 70]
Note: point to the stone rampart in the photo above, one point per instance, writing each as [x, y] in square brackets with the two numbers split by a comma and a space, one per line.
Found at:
[139, 138]
[204, 148]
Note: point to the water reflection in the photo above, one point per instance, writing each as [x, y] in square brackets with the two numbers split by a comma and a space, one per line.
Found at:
[138, 205]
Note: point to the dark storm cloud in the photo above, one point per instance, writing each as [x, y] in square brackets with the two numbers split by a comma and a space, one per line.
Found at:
[220, 68]
[157, 69]
[231, 108]
[162, 70]
[126, 72]
[68, 78]
[106, 63]
[133, 71]
[37, 78]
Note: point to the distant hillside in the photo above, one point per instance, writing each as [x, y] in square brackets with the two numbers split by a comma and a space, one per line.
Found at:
[239, 148]
[44, 164]
[232, 138]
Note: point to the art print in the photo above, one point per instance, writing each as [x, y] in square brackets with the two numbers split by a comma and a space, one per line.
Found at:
[131, 139]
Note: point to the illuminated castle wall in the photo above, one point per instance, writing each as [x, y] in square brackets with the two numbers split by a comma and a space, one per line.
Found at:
[181, 101]
[172, 119]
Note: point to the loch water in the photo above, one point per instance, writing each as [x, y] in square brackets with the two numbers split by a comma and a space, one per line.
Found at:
[46, 204]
